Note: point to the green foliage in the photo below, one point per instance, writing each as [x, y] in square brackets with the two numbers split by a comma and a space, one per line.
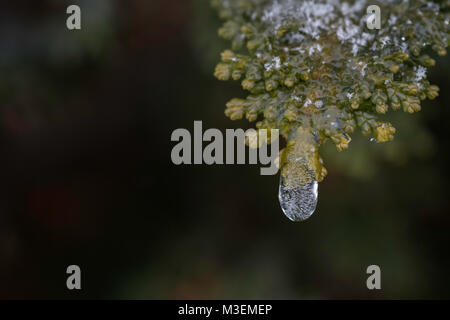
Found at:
[314, 70]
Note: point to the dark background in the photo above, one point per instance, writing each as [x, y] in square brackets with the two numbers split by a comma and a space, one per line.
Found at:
[86, 176]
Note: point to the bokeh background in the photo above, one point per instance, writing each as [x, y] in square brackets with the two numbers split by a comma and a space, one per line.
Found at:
[86, 176]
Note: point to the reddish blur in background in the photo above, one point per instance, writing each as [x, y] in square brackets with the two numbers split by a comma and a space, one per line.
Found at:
[86, 175]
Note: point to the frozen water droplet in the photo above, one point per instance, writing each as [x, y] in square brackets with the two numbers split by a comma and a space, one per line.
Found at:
[298, 190]
[298, 202]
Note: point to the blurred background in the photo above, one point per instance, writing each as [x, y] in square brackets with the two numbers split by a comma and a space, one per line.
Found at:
[86, 176]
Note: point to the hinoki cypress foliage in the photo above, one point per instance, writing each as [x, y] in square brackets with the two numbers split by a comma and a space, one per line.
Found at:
[315, 71]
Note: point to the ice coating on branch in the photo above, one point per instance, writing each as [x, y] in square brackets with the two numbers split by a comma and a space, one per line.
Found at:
[298, 190]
